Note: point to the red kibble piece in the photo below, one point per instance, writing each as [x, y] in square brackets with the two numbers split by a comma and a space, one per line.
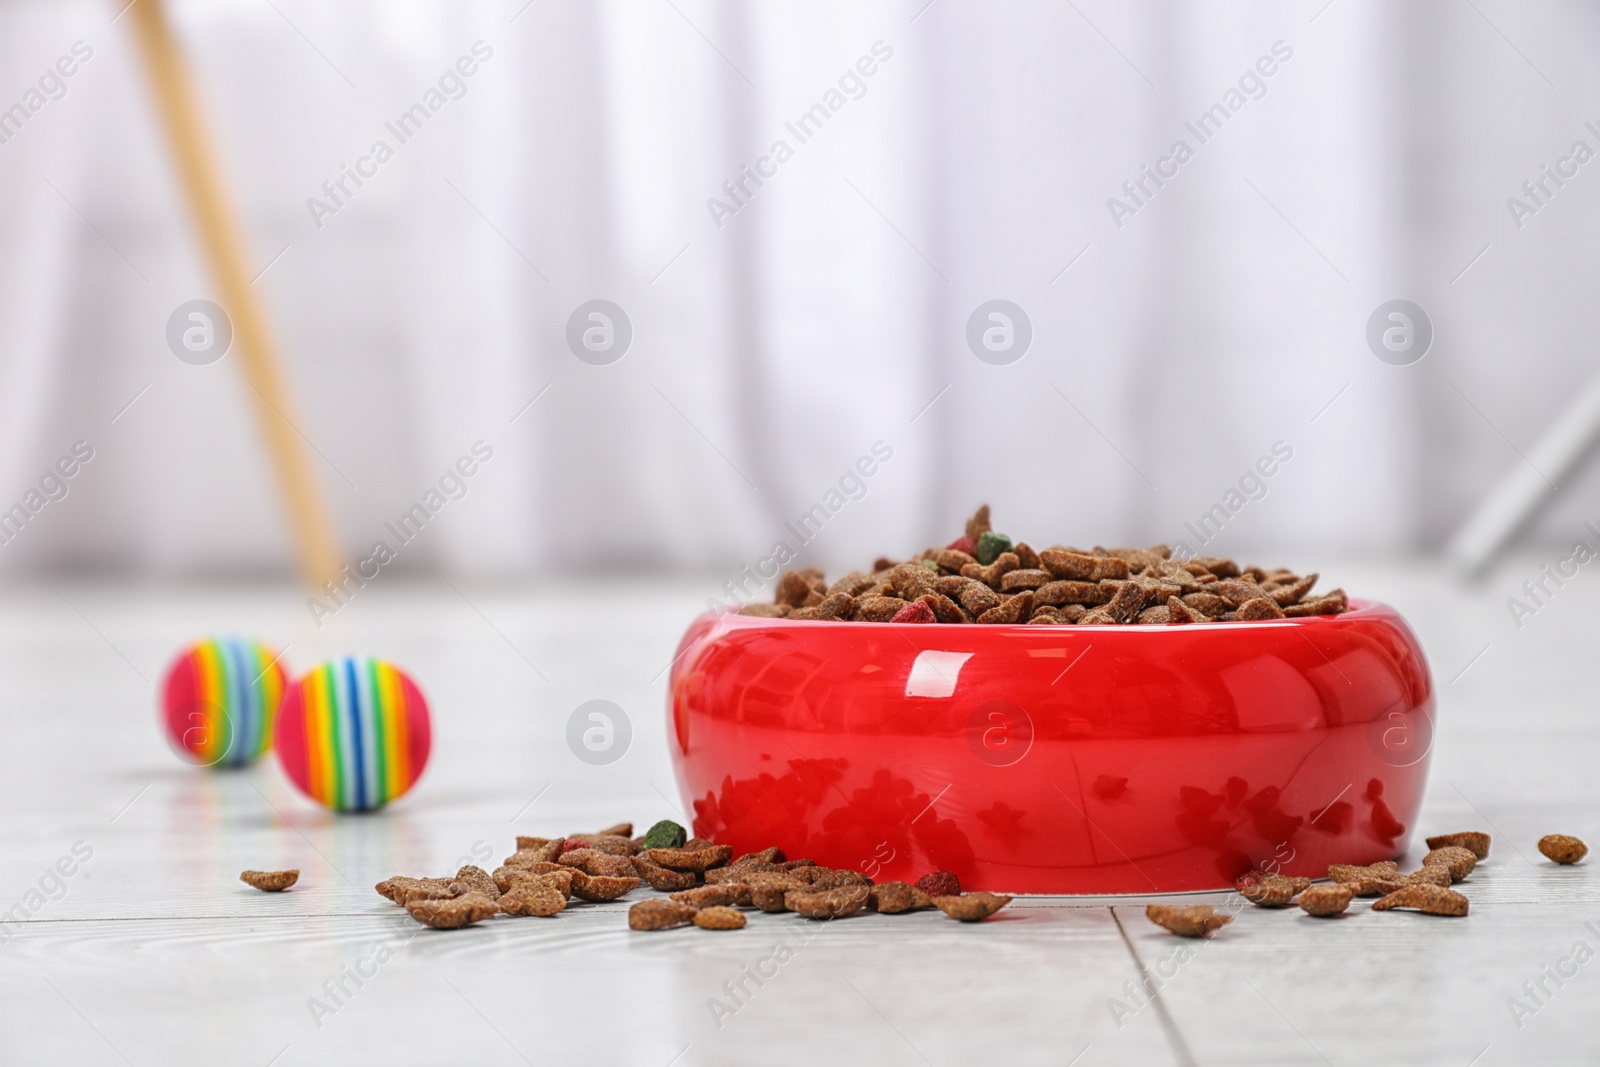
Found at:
[965, 544]
[940, 884]
[572, 844]
[916, 611]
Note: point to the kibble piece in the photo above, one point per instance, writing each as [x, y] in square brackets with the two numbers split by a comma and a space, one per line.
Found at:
[508, 878]
[1068, 565]
[837, 606]
[1235, 592]
[719, 918]
[730, 873]
[403, 890]
[1325, 900]
[659, 914]
[1350, 872]
[1154, 616]
[665, 834]
[610, 844]
[712, 896]
[878, 608]
[971, 907]
[1438, 874]
[771, 854]
[1458, 861]
[1179, 613]
[548, 852]
[683, 859]
[1562, 848]
[1194, 920]
[454, 913]
[993, 574]
[978, 525]
[1258, 609]
[1208, 604]
[530, 843]
[1292, 593]
[991, 545]
[1125, 602]
[1383, 877]
[770, 897]
[851, 585]
[1328, 604]
[825, 904]
[951, 560]
[766, 611]
[917, 612]
[1110, 568]
[1138, 559]
[909, 581]
[794, 590]
[658, 877]
[1023, 579]
[892, 898]
[831, 878]
[1156, 591]
[600, 887]
[598, 863]
[1367, 881]
[1474, 841]
[939, 884]
[975, 597]
[1270, 890]
[1014, 610]
[1067, 592]
[944, 609]
[542, 895]
[472, 879]
[270, 881]
[1433, 899]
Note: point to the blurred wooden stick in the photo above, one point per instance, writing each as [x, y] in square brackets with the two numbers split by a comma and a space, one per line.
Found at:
[197, 164]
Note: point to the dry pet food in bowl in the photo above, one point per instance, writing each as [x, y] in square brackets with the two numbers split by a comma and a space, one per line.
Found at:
[1155, 725]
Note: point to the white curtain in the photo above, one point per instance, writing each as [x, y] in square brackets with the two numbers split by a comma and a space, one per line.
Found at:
[778, 337]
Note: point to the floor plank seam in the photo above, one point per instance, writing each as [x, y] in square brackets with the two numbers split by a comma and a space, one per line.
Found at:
[1169, 1026]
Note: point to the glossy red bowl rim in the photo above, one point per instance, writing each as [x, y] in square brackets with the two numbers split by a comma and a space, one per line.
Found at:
[1358, 609]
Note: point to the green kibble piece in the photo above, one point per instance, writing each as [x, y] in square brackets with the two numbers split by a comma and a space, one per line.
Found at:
[666, 834]
[990, 545]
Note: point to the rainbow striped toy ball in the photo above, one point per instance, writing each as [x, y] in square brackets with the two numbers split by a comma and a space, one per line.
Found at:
[219, 700]
[354, 734]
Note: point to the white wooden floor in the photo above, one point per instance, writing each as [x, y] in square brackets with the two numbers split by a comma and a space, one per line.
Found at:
[153, 953]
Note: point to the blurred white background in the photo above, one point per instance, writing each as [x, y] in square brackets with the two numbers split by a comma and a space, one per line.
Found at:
[771, 351]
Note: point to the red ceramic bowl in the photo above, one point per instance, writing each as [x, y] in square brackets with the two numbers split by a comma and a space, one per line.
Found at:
[1057, 759]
